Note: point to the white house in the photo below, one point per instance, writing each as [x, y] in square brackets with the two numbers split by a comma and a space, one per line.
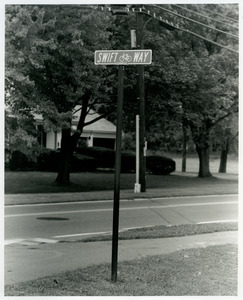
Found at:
[101, 133]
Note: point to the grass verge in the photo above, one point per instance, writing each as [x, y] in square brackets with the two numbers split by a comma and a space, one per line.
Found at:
[210, 271]
[163, 231]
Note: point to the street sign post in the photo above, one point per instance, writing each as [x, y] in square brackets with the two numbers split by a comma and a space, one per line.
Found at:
[123, 57]
[120, 58]
[116, 204]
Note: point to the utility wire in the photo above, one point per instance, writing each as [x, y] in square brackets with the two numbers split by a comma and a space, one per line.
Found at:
[207, 17]
[223, 16]
[186, 30]
[194, 21]
[170, 24]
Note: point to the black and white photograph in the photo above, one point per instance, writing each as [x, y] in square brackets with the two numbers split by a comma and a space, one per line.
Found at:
[120, 148]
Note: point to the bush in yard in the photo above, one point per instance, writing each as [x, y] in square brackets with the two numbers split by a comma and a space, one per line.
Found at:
[160, 165]
[19, 161]
[128, 161]
[105, 158]
[83, 163]
[48, 160]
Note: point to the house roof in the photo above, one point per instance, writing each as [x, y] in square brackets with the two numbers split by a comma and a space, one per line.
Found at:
[101, 125]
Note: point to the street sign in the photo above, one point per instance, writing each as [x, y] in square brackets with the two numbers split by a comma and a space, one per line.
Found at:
[123, 57]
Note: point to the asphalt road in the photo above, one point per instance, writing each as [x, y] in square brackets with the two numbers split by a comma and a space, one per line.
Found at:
[26, 224]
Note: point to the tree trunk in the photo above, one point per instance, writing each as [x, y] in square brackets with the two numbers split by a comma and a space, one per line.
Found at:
[69, 143]
[203, 154]
[201, 139]
[63, 177]
[223, 156]
[184, 146]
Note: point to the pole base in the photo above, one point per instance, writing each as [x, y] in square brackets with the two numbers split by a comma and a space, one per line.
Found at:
[137, 188]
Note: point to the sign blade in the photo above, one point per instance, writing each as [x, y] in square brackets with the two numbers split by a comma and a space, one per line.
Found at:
[123, 57]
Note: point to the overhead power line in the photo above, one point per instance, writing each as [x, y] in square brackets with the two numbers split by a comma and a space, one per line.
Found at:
[223, 16]
[194, 21]
[187, 31]
[169, 24]
[207, 17]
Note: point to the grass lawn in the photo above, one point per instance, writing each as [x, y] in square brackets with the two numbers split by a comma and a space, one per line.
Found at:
[210, 271]
[44, 182]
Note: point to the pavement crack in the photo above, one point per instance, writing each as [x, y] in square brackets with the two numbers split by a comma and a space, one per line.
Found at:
[157, 213]
[180, 214]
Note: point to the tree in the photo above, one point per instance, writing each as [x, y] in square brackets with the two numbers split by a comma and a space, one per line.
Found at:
[225, 135]
[20, 135]
[49, 62]
[20, 131]
[202, 77]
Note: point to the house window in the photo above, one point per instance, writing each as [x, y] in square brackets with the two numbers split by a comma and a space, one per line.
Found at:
[41, 136]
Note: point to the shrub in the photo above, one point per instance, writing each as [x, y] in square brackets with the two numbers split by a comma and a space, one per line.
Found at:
[105, 158]
[129, 142]
[48, 160]
[128, 161]
[82, 163]
[20, 161]
[160, 165]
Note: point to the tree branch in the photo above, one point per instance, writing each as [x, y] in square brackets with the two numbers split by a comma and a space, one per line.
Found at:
[85, 102]
[225, 116]
[99, 118]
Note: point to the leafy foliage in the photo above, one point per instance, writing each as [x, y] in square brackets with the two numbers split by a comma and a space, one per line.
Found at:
[20, 136]
[50, 70]
[160, 165]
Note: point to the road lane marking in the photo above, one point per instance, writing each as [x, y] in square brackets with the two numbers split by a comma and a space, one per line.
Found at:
[46, 241]
[30, 241]
[82, 234]
[189, 197]
[137, 227]
[12, 241]
[121, 200]
[63, 203]
[59, 212]
[36, 241]
[103, 232]
[125, 209]
[218, 221]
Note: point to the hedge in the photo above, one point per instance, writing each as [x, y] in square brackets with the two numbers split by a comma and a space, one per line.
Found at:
[20, 162]
[160, 165]
[88, 159]
[82, 163]
[105, 158]
[49, 160]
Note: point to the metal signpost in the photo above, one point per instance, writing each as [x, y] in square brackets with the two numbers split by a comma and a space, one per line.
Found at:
[120, 58]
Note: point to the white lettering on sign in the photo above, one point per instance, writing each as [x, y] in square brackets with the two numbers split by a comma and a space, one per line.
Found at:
[123, 57]
[140, 56]
[107, 57]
